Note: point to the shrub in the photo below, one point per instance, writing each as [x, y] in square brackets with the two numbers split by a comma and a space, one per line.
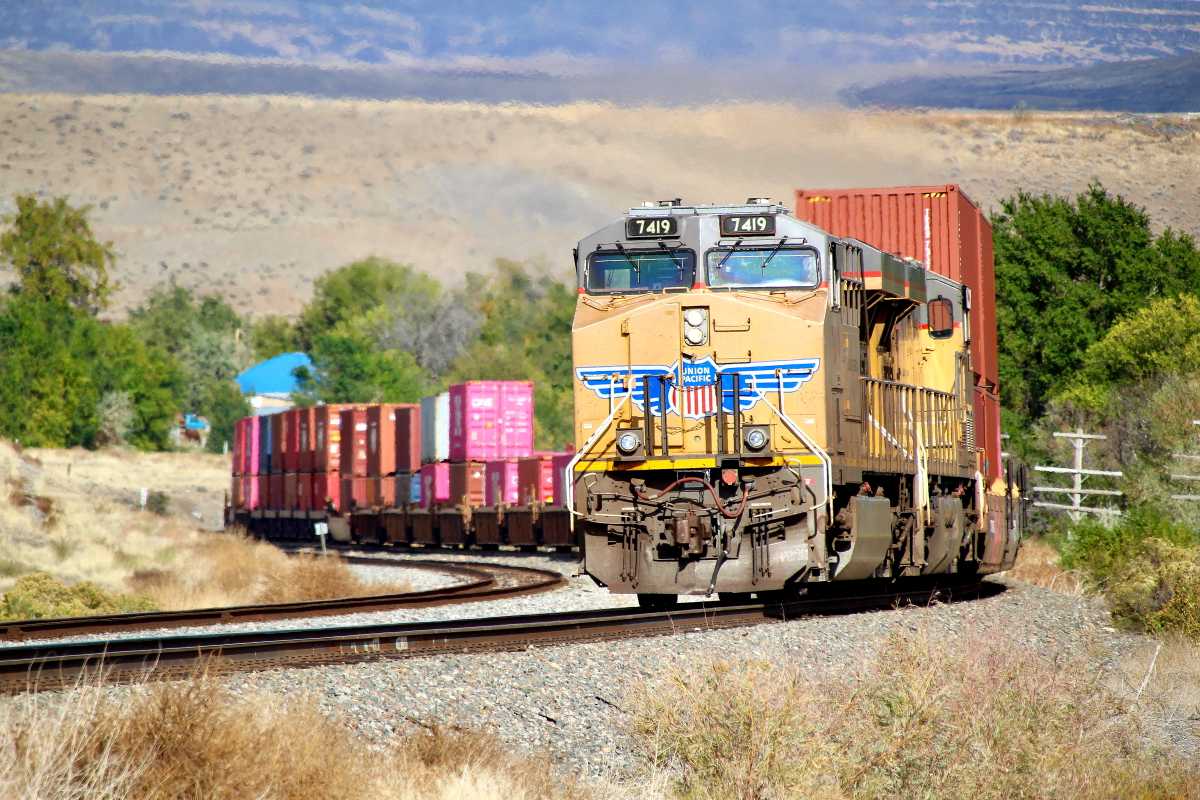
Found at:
[158, 503]
[40, 595]
[1102, 551]
[1159, 590]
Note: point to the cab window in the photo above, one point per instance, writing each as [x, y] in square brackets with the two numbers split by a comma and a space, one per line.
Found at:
[941, 318]
[763, 268]
[633, 271]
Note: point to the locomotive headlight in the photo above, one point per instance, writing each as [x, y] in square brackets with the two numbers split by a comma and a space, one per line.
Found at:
[629, 442]
[755, 438]
[695, 326]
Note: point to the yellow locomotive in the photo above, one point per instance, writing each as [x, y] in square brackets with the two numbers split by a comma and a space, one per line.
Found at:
[761, 407]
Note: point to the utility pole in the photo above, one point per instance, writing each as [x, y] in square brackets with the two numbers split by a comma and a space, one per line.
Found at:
[1076, 492]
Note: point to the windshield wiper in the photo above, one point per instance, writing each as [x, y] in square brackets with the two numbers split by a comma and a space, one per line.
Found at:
[725, 257]
[774, 253]
[671, 254]
[637, 270]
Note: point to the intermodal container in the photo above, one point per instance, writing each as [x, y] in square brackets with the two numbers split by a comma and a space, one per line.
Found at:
[263, 485]
[467, 484]
[560, 464]
[239, 449]
[382, 443]
[502, 482]
[291, 498]
[277, 491]
[535, 477]
[252, 459]
[491, 420]
[435, 484]
[327, 439]
[354, 493]
[304, 489]
[326, 492]
[235, 488]
[354, 441]
[435, 428]
[264, 446]
[250, 495]
[307, 438]
[291, 440]
[381, 491]
[278, 441]
[408, 438]
[943, 229]
[408, 489]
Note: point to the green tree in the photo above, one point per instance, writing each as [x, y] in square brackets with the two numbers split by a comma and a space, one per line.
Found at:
[525, 335]
[348, 367]
[1066, 271]
[273, 335]
[51, 248]
[349, 292]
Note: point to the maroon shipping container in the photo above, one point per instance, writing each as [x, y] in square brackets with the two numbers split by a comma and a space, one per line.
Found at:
[250, 454]
[276, 493]
[354, 440]
[383, 441]
[491, 420]
[307, 438]
[408, 438]
[942, 228]
[354, 493]
[304, 491]
[291, 440]
[467, 483]
[239, 450]
[291, 482]
[327, 439]
[263, 484]
[276, 440]
[326, 492]
[535, 476]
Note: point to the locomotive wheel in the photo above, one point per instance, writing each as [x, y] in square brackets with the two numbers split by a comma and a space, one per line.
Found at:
[658, 602]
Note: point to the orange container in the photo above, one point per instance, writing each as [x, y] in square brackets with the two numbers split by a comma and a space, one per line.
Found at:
[326, 492]
[381, 492]
[943, 229]
[354, 493]
[408, 438]
[381, 439]
[535, 476]
[354, 440]
[467, 480]
[291, 440]
[327, 438]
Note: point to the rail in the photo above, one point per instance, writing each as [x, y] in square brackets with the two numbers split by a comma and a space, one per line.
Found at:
[911, 428]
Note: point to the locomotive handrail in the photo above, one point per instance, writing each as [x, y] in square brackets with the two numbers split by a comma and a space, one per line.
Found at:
[587, 446]
[912, 428]
[826, 461]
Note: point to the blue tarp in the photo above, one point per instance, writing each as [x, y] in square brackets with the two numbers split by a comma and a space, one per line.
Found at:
[273, 376]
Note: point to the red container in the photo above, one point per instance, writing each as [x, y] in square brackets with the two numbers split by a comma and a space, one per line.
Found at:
[381, 439]
[327, 439]
[559, 464]
[490, 420]
[435, 484]
[250, 455]
[277, 494]
[501, 483]
[238, 464]
[276, 440]
[250, 494]
[326, 492]
[354, 440]
[354, 493]
[291, 500]
[408, 438]
[306, 434]
[304, 491]
[291, 440]
[263, 485]
[535, 478]
[381, 491]
[235, 491]
[467, 484]
[942, 228]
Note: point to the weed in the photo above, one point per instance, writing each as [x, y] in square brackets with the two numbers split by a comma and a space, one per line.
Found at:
[158, 503]
[40, 595]
[1158, 591]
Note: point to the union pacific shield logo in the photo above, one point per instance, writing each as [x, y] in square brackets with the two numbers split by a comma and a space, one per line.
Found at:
[694, 389]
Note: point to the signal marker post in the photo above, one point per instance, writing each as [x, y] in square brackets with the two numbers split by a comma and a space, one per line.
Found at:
[1076, 510]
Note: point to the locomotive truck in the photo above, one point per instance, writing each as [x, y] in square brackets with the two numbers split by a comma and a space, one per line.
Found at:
[763, 407]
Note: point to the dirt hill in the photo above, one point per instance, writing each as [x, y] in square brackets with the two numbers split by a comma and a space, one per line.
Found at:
[256, 196]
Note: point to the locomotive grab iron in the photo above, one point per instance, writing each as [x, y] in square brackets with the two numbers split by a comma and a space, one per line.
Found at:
[762, 406]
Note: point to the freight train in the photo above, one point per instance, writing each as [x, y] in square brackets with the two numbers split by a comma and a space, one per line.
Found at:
[766, 403]
[763, 407]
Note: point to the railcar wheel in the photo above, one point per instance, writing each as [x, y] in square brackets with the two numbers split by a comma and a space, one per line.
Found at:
[658, 602]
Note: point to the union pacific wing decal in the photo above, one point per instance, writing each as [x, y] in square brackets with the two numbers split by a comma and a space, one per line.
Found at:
[703, 384]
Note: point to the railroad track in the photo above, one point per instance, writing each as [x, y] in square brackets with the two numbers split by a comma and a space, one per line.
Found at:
[52, 665]
[482, 582]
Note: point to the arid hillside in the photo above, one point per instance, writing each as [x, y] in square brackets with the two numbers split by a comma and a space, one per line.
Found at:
[256, 196]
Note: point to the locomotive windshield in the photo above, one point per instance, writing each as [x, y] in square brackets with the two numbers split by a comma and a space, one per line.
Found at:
[628, 271]
[771, 267]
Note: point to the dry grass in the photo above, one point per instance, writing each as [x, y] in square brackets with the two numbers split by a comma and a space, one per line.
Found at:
[196, 740]
[978, 717]
[1039, 563]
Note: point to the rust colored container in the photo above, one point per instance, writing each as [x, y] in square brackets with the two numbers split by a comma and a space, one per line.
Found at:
[290, 499]
[354, 440]
[467, 483]
[263, 490]
[535, 476]
[278, 492]
[354, 493]
[291, 440]
[239, 449]
[278, 436]
[235, 492]
[306, 436]
[408, 438]
[381, 492]
[304, 491]
[327, 438]
[326, 492]
[381, 439]
[942, 228]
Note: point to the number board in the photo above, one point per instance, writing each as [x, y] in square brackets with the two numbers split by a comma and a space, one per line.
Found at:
[652, 228]
[748, 225]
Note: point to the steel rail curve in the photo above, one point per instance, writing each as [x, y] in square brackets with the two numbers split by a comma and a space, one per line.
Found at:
[54, 665]
[482, 584]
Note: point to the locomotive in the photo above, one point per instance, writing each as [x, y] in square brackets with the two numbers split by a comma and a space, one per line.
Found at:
[763, 408]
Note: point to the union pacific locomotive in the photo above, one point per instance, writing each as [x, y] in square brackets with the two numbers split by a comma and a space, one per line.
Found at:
[762, 408]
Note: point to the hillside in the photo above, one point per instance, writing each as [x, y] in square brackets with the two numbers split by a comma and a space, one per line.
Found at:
[254, 197]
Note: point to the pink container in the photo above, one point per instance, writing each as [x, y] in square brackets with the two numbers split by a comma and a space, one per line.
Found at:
[560, 463]
[435, 484]
[251, 453]
[249, 499]
[502, 483]
[491, 420]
